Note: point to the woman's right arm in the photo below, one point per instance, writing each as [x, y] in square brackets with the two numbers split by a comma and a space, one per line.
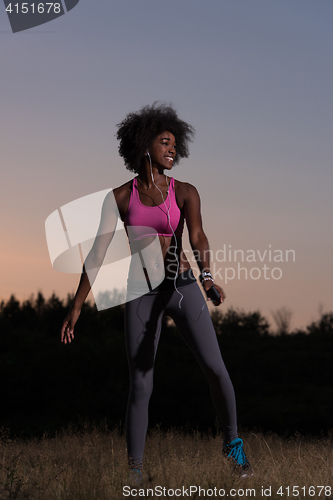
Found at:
[92, 263]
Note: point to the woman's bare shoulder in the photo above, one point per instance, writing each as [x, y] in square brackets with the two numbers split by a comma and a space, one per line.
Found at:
[124, 188]
[185, 190]
[122, 195]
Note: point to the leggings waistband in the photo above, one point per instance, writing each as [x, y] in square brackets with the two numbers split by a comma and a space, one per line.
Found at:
[168, 284]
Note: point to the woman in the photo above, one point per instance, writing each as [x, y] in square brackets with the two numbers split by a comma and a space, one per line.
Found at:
[153, 207]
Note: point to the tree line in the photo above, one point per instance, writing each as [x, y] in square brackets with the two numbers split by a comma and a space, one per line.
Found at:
[283, 381]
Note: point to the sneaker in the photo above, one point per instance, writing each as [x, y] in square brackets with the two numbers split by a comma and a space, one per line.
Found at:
[135, 477]
[235, 452]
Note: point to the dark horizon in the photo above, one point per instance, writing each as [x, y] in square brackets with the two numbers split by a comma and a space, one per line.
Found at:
[48, 385]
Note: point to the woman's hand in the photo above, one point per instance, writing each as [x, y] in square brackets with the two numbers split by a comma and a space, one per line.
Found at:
[67, 330]
[207, 284]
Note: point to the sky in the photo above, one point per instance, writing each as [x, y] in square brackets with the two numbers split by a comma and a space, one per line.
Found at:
[253, 77]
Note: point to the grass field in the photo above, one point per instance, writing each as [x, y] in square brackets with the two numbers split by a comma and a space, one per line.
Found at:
[91, 464]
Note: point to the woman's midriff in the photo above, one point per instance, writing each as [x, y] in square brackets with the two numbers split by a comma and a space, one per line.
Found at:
[156, 256]
[171, 263]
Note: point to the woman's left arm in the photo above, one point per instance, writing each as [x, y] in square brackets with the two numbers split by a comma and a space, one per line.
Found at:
[198, 239]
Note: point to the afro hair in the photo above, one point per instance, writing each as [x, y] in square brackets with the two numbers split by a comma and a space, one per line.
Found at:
[138, 130]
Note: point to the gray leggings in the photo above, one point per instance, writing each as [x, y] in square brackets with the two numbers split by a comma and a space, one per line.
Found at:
[143, 319]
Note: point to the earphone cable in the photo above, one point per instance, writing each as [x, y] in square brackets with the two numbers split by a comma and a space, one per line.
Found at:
[168, 217]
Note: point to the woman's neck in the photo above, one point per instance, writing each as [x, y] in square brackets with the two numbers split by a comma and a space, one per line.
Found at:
[145, 177]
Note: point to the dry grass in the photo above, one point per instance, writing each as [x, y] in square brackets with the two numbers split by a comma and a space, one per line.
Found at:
[91, 464]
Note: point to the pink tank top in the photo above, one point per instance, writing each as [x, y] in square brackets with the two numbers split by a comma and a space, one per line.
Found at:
[150, 221]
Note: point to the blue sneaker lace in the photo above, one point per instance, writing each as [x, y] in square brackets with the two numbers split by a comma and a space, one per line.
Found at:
[237, 451]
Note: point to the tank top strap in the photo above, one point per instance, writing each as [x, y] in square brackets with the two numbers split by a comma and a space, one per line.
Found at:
[172, 190]
[135, 190]
[133, 184]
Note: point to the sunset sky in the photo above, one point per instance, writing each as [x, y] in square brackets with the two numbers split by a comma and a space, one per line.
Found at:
[253, 77]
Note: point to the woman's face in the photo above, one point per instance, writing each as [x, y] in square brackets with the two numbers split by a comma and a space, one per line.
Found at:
[163, 150]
